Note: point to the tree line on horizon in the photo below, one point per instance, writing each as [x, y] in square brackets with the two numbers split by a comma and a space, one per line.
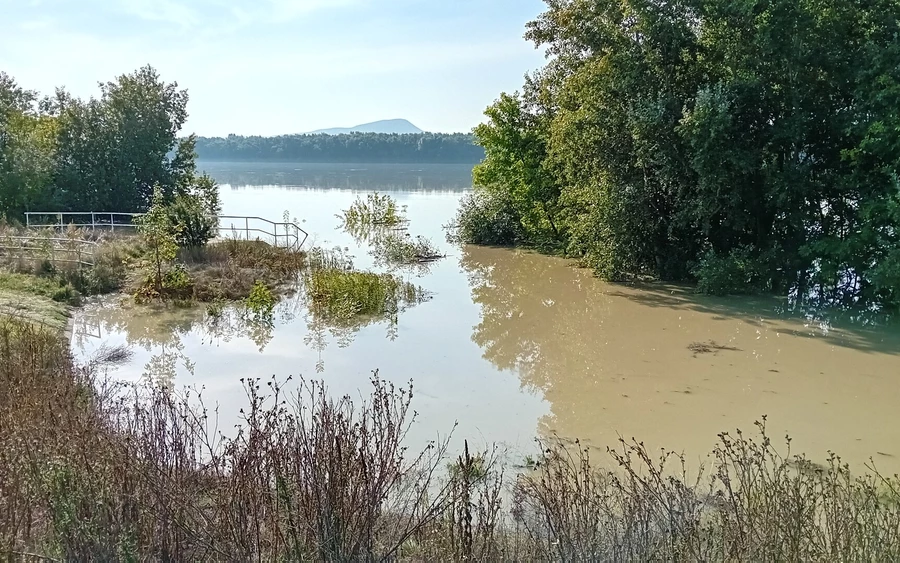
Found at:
[451, 148]
[746, 146]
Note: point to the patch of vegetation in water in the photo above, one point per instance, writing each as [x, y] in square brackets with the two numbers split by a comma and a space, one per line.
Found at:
[376, 210]
[400, 249]
[342, 300]
[261, 301]
[375, 222]
[341, 295]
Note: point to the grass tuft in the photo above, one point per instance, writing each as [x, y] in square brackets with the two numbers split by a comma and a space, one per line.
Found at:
[341, 295]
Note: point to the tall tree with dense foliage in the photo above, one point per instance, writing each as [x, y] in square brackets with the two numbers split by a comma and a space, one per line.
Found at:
[114, 149]
[62, 153]
[745, 144]
[27, 147]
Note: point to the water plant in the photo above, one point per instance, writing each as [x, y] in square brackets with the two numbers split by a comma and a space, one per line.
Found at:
[340, 294]
[400, 249]
[376, 210]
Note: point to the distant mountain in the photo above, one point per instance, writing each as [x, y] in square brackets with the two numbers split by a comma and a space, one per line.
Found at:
[399, 126]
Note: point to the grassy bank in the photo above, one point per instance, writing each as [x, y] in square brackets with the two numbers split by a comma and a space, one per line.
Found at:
[89, 472]
[38, 300]
[224, 270]
[229, 269]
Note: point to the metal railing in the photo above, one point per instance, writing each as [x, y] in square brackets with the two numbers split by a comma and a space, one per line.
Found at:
[70, 251]
[79, 219]
[283, 234]
[286, 234]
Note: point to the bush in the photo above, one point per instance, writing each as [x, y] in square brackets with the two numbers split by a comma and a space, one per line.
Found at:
[737, 273]
[341, 295]
[196, 225]
[399, 249]
[377, 210]
[261, 301]
[486, 218]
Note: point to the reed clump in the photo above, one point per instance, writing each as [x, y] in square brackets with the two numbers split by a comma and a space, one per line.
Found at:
[90, 471]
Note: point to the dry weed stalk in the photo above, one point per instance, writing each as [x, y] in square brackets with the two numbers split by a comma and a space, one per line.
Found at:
[92, 471]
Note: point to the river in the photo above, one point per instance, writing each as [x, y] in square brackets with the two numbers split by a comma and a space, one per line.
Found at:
[514, 345]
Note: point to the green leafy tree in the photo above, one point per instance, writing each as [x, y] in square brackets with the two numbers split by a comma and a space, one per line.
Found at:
[161, 238]
[114, 149]
[515, 143]
[195, 211]
[744, 145]
[353, 147]
[27, 149]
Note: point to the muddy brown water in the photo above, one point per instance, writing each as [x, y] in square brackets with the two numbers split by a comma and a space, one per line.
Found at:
[515, 345]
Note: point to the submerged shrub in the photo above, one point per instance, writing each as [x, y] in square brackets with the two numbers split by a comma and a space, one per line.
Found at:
[399, 249]
[377, 210]
[261, 301]
[486, 218]
[739, 272]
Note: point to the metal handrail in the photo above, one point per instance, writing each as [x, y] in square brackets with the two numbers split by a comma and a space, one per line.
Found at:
[274, 234]
[36, 248]
[98, 219]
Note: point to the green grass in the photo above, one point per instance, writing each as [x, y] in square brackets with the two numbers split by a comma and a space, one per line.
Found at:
[39, 300]
[344, 294]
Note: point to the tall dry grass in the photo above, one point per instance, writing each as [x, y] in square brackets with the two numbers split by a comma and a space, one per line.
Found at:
[91, 471]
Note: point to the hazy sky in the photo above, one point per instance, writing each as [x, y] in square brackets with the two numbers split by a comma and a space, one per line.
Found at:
[283, 66]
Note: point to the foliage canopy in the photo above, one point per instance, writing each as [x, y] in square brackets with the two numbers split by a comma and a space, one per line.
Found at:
[744, 144]
[61, 153]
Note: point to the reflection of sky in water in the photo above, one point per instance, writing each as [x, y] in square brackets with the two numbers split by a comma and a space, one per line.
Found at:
[433, 345]
[515, 344]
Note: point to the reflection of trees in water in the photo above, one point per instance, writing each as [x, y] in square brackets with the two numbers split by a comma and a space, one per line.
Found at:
[534, 314]
[375, 237]
[156, 330]
[322, 330]
[146, 327]
[582, 343]
[162, 367]
[161, 330]
[236, 321]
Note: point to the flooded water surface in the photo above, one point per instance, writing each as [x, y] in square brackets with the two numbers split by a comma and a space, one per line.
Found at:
[514, 345]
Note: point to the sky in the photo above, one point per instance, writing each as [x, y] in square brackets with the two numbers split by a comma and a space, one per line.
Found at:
[269, 67]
